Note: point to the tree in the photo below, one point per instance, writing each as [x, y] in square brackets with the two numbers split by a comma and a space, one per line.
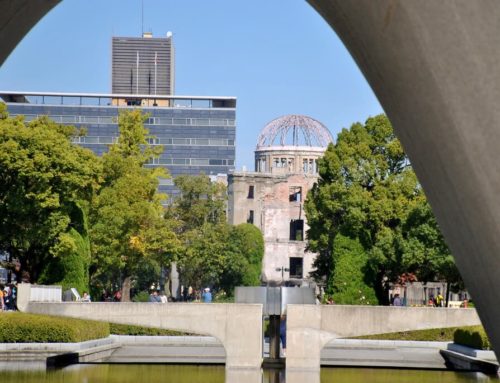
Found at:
[214, 253]
[367, 191]
[127, 225]
[351, 282]
[46, 184]
[248, 240]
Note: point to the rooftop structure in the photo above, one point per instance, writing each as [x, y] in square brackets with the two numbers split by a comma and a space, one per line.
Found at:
[143, 65]
[294, 130]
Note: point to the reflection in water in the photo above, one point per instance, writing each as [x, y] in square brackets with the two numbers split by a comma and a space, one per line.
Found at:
[370, 375]
[109, 373]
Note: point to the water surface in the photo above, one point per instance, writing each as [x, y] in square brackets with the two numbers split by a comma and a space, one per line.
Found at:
[153, 373]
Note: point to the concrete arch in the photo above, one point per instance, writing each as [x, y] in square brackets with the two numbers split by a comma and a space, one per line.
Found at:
[434, 68]
[237, 326]
[311, 327]
[16, 20]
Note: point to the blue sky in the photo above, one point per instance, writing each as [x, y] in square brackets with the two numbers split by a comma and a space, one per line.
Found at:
[276, 57]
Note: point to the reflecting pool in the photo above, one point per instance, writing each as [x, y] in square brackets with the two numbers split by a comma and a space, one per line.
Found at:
[154, 373]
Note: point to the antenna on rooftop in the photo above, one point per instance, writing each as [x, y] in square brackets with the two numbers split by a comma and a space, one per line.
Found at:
[142, 18]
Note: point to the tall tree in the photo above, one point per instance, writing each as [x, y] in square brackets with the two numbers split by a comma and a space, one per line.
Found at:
[127, 225]
[214, 253]
[367, 191]
[46, 184]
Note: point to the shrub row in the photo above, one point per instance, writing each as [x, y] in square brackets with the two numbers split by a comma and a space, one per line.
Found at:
[474, 337]
[125, 329]
[30, 328]
[430, 335]
[471, 336]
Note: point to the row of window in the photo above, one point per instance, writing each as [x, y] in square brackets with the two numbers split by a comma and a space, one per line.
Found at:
[156, 141]
[294, 193]
[149, 121]
[191, 162]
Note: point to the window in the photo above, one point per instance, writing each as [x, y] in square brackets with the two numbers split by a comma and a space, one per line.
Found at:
[250, 217]
[250, 192]
[216, 162]
[297, 230]
[295, 194]
[199, 161]
[181, 141]
[296, 267]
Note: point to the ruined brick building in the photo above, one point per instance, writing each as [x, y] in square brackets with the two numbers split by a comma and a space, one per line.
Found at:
[272, 197]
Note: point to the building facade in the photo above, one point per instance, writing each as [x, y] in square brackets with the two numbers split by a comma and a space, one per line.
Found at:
[197, 133]
[272, 198]
[143, 65]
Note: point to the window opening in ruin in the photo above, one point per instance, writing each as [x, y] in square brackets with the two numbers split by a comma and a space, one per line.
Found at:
[250, 217]
[296, 267]
[297, 230]
[295, 194]
[250, 192]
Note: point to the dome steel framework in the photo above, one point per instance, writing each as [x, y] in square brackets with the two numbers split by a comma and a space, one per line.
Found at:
[294, 130]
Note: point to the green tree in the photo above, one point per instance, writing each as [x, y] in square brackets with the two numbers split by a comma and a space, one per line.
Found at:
[127, 225]
[214, 253]
[249, 242]
[367, 191]
[351, 282]
[46, 184]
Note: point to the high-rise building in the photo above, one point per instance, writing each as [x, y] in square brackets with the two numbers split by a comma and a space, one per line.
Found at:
[143, 65]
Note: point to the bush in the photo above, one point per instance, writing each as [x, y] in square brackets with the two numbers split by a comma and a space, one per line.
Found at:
[125, 329]
[347, 284]
[32, 328]
[474, 337]
[429, 335]
[142, 296]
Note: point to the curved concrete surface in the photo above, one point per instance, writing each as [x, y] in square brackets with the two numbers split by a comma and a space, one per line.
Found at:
[434, 66]
[17, 18]
[237, 326]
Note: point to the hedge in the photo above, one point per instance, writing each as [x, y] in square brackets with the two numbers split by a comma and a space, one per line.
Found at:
[31, 328]
[474, 337]
[125, 329]
[430, 335]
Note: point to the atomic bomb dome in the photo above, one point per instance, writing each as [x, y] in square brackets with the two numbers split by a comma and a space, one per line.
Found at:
[291, 144]
[294, 130]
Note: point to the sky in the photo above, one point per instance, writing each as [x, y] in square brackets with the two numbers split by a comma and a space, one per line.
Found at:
[277, 57]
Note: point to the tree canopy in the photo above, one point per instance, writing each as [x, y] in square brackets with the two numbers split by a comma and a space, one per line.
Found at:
[367, 191]
[127, 225]
[46, 184]
[214, 253]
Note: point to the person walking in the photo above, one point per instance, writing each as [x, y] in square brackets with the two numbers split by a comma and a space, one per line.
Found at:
[283, 334]
[206, 296]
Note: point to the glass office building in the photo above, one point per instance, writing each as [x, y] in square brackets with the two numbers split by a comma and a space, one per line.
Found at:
[197, 133]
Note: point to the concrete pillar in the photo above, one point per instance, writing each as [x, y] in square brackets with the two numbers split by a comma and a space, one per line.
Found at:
[304, 338]
[434, 68]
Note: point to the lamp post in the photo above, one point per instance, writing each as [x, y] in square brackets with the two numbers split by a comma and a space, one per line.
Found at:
[282, 269]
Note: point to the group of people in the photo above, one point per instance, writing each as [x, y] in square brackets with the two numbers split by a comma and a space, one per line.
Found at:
[206, 296]
[8, 295]
[154, 297]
